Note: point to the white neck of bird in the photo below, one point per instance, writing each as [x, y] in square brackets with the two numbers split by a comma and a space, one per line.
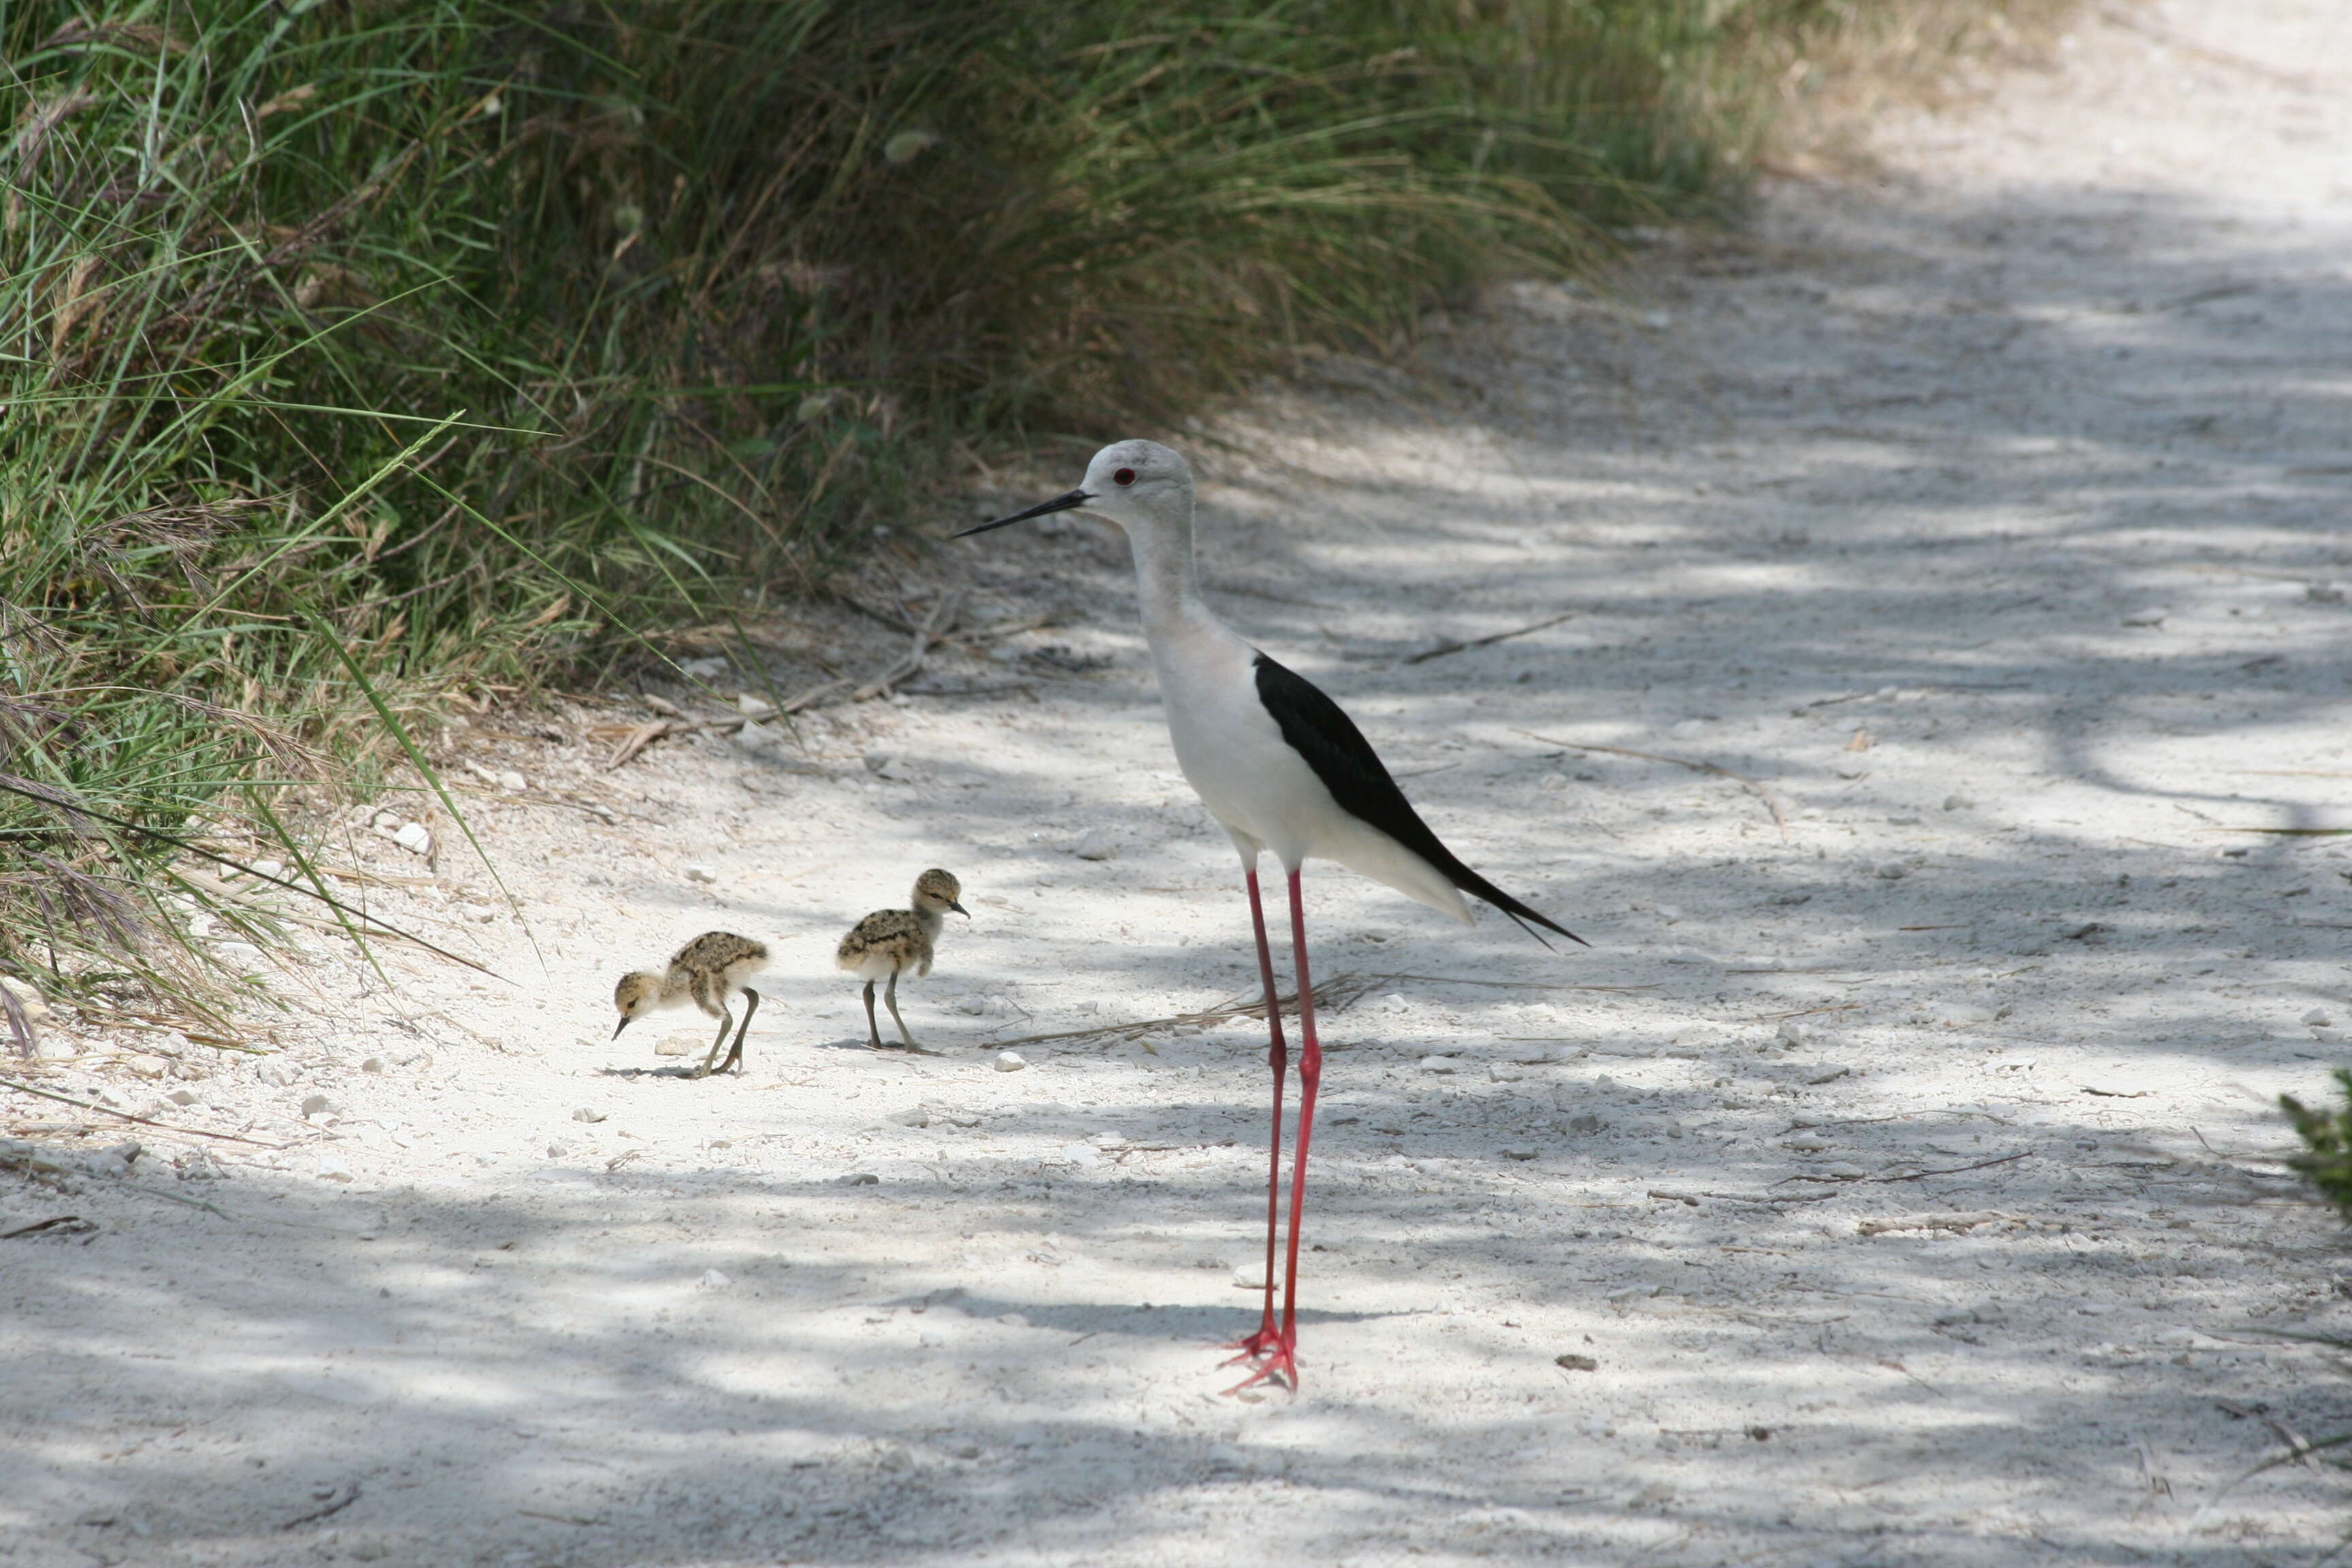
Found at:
[1168, 587]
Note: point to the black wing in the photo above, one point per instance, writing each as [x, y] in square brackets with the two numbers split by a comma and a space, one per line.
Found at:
[1317, 730]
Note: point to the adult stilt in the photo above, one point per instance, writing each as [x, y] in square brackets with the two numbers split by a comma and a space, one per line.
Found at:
[1287, 773]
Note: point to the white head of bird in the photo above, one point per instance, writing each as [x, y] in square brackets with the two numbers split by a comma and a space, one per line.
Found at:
[1147, 489]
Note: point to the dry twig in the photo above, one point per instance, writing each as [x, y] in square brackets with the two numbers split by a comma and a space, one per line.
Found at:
[1336, 995]
[933, 628]
[127, 1115]
[1771, 802]
[1951, 1222]
[1450, 646]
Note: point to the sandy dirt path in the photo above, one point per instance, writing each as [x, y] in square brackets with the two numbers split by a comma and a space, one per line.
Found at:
[1908, 1180]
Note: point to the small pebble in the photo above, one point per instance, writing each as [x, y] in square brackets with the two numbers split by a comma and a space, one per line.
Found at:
[181, 1097]
[858, 1179]
[415, 838]
[1576, 1362]
[2318, 1017]
[373, 1064]
[1438, 1064]
[913, 1116]
[587, 1113]
[700, 874]
[1893, 871]
[1097, 847]
[1518, 1154]
[712, 1280]
[1793, 1032]
[1959, 801]
[1010, 1061]
[511, 781]
[317, 1105]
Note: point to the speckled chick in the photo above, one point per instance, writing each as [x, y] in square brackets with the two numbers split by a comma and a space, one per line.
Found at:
[707, 972]
[891, 942]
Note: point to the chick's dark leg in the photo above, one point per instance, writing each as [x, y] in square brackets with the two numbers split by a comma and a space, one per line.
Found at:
[890, 1000]
[735, 1052]
[726, 1018]
[873, 1030]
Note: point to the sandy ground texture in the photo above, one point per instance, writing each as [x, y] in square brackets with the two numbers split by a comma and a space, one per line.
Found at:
[1900, 1188]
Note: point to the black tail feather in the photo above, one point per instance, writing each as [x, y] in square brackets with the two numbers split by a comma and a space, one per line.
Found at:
[1470, 882]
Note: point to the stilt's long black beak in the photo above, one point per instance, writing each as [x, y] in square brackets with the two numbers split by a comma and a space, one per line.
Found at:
[1059, 503]
[621, 1026]
[951, 903]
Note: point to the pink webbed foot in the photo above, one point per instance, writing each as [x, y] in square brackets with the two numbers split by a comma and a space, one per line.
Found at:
[1281, 1366]
[1260, 1344]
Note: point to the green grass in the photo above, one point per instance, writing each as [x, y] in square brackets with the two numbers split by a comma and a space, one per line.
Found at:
[364, 358]
[2327, 1136]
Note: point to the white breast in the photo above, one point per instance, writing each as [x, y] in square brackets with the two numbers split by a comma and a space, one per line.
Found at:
[1234, 755]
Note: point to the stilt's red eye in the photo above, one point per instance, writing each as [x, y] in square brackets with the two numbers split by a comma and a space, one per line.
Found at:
[1125, 475]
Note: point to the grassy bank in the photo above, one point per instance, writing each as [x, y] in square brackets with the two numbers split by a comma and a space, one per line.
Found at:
[361, 358]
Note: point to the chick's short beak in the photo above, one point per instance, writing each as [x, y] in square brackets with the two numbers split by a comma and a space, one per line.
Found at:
[1059, 503]
[621, 1026]
[958, 909]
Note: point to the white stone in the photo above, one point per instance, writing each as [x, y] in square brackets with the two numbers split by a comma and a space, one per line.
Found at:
[700, 874]
[588, 1113]
[1795, 1033]
[414, 837]
[913, 1116]
[679, 1044]
[1438, 1064]
[1010, 1061]
[1097, 847]
[712, 1280]
[2318, 1017]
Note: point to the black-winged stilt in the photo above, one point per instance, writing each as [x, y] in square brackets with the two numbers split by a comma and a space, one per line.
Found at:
[707, 972]
[1285, 772]
[889, 943]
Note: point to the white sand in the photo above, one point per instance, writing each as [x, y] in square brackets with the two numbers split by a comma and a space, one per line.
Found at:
[1915, 459]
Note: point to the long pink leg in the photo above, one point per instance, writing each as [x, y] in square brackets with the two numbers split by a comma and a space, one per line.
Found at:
[1279, 1054]
[1283, 1363]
